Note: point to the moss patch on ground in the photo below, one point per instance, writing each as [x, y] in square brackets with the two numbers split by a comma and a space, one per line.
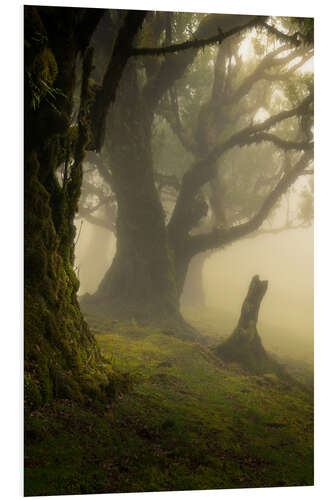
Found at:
[189, 422]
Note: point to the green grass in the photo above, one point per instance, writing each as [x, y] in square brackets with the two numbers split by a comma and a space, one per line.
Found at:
[190, 422]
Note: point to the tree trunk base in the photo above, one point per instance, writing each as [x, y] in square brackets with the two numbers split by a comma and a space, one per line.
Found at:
[244, 345]
[171, 323]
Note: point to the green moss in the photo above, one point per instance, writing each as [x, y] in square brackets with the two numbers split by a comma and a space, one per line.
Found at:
[44, 67]
[188, 423]
[62, 359]
[244, 347]
[40, 76]
[32, 393]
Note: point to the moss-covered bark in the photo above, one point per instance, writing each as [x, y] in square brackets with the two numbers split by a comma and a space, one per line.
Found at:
[61, 355]
[141, 282]
[147, 275]
[244, 345]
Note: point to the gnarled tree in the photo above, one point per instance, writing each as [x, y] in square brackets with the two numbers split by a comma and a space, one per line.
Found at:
[157, 238]
[61, 355]
[244, 344]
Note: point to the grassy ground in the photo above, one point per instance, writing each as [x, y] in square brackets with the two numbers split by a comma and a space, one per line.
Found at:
[190, 422]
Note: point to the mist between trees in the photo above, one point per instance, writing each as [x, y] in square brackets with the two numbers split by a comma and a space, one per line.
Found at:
[226, 131]
[168, 288]
[186, 137]
[287, 309]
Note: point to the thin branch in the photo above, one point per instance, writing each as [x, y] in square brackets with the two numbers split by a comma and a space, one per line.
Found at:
[204, 42]
[243, 136]
[122, 48]
[89, 188]
[281, 143]
[197, 44]
[267, 63]
[274, 231]
[78, 236]
[96, 159]
[174, 66]
[96, 221]
[223, 236]
[171, 115]
[294, 39]
[205, 169]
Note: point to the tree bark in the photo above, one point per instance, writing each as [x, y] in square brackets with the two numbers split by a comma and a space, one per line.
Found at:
[148, 273]
[61, 355]
[244, 345]
[141, 282]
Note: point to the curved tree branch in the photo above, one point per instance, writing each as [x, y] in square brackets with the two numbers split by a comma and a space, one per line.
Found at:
[269, 62]
[170, 112]
[96, 159]
[294, 39]
[105, 95]
[248, 134]
[196, 43]
[204, 42]
[205, 169]
[223, 236]
[275, 230]
[174, 65]
[280, 143]
[96, 221]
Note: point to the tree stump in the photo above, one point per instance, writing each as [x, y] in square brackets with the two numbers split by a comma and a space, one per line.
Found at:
[244, 344]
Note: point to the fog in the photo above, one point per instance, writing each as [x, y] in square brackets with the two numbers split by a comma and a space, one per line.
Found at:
[168, 251]
[94, 252]
[205, 115]
[284, 259]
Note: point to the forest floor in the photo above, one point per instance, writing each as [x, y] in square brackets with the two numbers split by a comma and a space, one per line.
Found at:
[190, 422]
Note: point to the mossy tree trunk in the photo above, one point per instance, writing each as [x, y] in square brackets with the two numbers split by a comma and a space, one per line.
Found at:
[61, 355]
[141, 281]
[244, 345]
[147, 276]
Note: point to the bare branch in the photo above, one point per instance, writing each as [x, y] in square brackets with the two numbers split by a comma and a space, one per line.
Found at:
[96, 159]
[205, 169]
[96, 221]
[223, 236]
[274, 231]
[90, 188]
[248, 134]
[281, 143]
[270, 61]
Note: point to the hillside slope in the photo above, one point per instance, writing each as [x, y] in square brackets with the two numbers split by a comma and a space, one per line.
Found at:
[188, 422]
